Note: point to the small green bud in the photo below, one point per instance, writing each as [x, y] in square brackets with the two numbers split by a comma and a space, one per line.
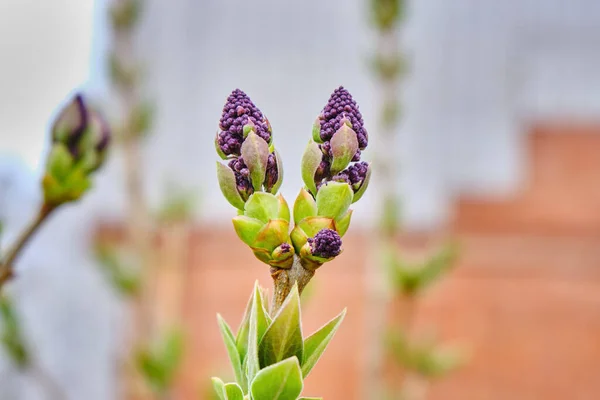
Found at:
[249, 127]
[311, 159]
[255, 152]
[344, 146]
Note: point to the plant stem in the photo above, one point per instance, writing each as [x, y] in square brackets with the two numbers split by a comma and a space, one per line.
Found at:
[6, 266]
[284, 279]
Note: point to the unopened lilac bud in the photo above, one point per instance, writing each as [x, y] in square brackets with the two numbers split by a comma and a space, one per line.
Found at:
[242, 177]
[326, 243]
[71, 122]
[272, 175]
[341, 109]
[239, 117]
[357, 176]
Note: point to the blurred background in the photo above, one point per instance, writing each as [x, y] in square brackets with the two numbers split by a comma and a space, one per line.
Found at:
[497, 147]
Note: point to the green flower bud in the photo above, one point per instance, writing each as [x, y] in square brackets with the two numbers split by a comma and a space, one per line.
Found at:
[304, 206]
[255, 152]
[311, 160]
[344, 146]
[307, 228]
[264, 227]
[80, 139]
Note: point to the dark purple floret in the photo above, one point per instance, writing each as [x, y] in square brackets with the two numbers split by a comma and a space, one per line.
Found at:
[242, 177]
[326, 243]
[285, 248]
[354, 175]
[237, 112]
[272, 173]
[342, 105]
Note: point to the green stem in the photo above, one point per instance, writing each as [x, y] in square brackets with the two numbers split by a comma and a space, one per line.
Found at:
[6, 266]
[284, 279]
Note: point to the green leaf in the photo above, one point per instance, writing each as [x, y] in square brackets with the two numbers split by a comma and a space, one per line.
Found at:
[283, 339]
[219, 387]
[304, 206]
[232, 352]
[234, 391]
[334, 199]
[262, 206]
[247, 228]
[257, 328]
[255, 152]
[273, 234]
[310, 163]
[228, 186]
[315, 344]
[343, 223]
[281, 381]
[344, 146]
[363, 187]
[316, 131]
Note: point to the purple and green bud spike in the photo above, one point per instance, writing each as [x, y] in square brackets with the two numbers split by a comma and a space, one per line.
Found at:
[245, 139]
[338, 139]
[80, 141]
[334, 177]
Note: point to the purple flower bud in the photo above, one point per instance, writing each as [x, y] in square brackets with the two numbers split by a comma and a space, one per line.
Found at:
[339, 108]
[285, 248]
[71, 123]
[82, 130]
[242, 177]
[326, 243]
[272, 172]
[354, 175]
[239, 111]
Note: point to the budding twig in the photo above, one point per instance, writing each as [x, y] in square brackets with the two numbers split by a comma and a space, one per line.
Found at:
[284, 279]
[7, 264]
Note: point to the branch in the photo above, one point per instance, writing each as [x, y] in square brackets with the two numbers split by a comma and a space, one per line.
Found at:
[284, 279]
[6, 266]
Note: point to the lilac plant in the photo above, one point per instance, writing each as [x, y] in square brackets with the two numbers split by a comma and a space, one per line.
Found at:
[80, 140]
[269, 355]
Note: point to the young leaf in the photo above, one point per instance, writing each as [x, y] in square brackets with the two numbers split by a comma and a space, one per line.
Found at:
[283, 338]
[234, 356]
[257, 328]
[315, 344]
[281, 381]
[310, 398]
[219, 387]
[234, 391]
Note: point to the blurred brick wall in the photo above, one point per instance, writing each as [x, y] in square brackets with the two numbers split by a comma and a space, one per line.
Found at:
[524, 299]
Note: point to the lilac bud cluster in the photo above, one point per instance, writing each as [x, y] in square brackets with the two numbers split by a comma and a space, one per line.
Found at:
[326, 243]
[244, 139]
[239, 111]
[341, 109]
